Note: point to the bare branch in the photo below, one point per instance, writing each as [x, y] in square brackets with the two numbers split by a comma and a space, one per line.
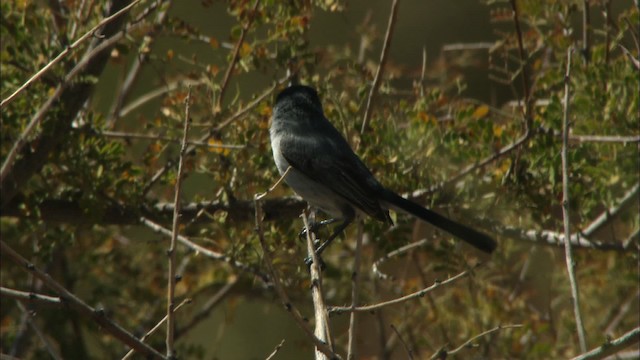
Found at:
[381, 63]
[277, 285]
[575, 295]
[275, 351]
[175, 230]
[612, 347]
[355, 292]
[30, 296]
[235, 57]
[404, 344]
[96, 315]
[125, 135]
[322, 329]
[442, 354]
[206, 252]
[156, 327]
[206, 309]
[417, 294]
[473, 167]
[524, 72]
[134, 70]
[586, 27]
[47, 344]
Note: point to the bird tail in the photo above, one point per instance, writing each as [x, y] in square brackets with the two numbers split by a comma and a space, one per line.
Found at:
[475, 238]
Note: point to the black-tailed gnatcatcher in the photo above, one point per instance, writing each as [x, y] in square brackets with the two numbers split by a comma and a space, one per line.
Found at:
[330, 176]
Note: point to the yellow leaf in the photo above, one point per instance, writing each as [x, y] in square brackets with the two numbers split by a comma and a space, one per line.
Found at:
[216, 148]
[480, 112]
[497, 130]
[170, 54]
[245, 49]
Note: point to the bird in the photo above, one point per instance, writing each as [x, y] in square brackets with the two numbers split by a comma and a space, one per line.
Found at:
[322, 168]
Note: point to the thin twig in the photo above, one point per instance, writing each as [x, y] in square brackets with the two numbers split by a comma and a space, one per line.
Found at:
[204, 251]
[89, 34]
[355, 293]
[443, 353]
[206, 309]
[126, 135]
[175, 230]
[275, 185]
[381, 63]
[322, 329]
[47, 344]
[630, 197]
[586, 27]
[417, 294]
[477, 166]
[277, 285]
[275, 351]
[524, 73]
[612, 347]
[157, 92]
[404, 344]
[30, 296]
[565, 207]
[605, 138]
[235, 57]
[394, 253]
[96, 315]
[140, 58]
[622, 312]
[129, 354]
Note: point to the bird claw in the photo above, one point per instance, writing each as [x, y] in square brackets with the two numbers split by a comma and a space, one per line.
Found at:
[309, 261]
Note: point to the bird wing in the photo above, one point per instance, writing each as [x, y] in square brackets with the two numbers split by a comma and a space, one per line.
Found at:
[327, 159]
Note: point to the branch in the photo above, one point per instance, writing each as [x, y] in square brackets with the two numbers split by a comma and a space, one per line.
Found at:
[235, 57]
[206, 309]
[277, 285]
[417, 294]
[129, 136]
[322, 329]
[381, 63]
[275, 351]
[575, 295]
[473, 167]
[69, 298]
[146, 336]
[132, 75]
[525, 73]
[586, 39]
[612, 347]
[355, 293]
[87, 35]
[206, 252]
[30, 296]
[69, 211]
[175, 231]
[162, 90]
[394, 253]
[45, 342]
[443, 354]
